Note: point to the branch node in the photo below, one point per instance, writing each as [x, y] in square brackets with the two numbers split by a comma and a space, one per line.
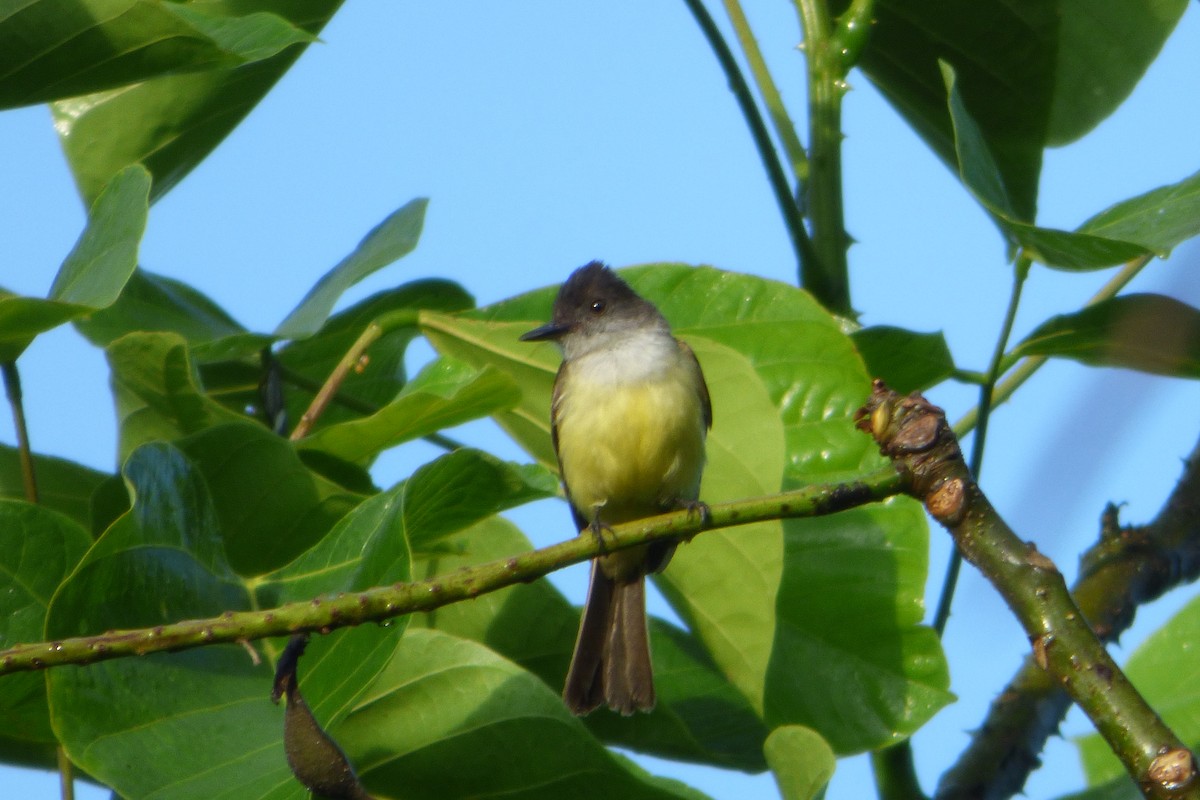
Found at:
[1173, 770]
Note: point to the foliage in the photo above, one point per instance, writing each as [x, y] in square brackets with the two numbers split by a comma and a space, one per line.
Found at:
[212, 511]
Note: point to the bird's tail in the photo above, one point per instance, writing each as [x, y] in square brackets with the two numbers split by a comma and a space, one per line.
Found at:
[611, 664]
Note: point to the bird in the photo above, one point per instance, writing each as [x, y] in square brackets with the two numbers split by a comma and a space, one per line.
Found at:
[630, 413]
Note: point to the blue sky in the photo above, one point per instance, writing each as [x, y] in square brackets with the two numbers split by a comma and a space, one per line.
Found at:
[547, 134]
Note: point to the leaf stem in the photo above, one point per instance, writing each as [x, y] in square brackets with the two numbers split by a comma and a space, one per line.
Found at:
[349, 361]
[832, 47]
[785, 129]
[950, 582]
[1026, 368]
[387, 602]
[801, 243]
[12, 388]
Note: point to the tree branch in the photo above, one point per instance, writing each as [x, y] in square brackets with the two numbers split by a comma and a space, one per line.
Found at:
[915, 434]
[1127, 567]
[386, 602]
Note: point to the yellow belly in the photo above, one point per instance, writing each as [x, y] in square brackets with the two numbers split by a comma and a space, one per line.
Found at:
[631, 450]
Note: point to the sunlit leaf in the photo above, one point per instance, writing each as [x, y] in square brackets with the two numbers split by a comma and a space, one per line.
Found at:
[38, 548]
[444, 702]
[169, 124]
[784, 383]
[52, 50]
[152, 302]
[1147, 332]
[801, 761]
[388, 241]
[907, 360]
[980, 174]
[1158, 220]
[446, 393]
[63, 486]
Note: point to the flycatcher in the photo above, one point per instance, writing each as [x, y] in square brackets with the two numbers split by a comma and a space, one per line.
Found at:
[629, 416]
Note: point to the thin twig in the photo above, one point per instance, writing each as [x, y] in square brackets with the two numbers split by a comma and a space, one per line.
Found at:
[788, 209]
[12, 388]
[382, 603]
[349, 361]
[950, 582]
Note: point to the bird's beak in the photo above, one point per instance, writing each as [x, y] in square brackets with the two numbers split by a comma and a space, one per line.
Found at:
[551, 330]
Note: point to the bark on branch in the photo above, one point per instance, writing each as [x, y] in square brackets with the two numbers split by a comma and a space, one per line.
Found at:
[915, 435]
[1127, 567]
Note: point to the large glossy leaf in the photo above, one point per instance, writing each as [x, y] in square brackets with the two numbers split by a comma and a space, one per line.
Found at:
[446, 393]
[388, 241]
[700, 717]
[271, 505]
[51, 49]
[448, 718]
[94, 272]
[106, 254]
[367, 548]
[171, 123]
[801, 761]
[165, 561]
[909, 361]
[197, 719]
[1166, 671]
[157, 396]
[784, 382]
[38, 547]
[1158, 220]
[152, 302]
[63, 486]
[1034, 73]
[1147, 332]
[981, 175]
[1104, 48]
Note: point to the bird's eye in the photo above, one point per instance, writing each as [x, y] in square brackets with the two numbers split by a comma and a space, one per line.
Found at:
[598, 307]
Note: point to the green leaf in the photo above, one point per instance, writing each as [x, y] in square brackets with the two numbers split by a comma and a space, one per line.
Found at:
[801, 760]
[785, 382]
[464, 487]
[980, 174]
[198, 719]
[50, 50]
[366, 548]
[233, 379]
[907, 360]
[1104, 49]
[93, 273]
[446, 393]
[388, 241]
[171, 123]
[1147, 332]
[63, 486]
[152, 302]
[1158, 220]
[449, 718]
[271, 506]
[165, 560]
[23, 318]
[1166, 671]
[106, 254]
[1034, 73]
[157, 396]
[38, 547]
[699, 718]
